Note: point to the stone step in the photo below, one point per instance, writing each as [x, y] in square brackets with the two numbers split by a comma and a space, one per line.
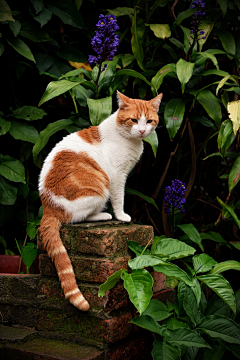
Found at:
[46, 349]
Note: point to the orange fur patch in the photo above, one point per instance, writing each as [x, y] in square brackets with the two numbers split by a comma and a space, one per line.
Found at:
[90, 135]
[76, 175]
[133, 110]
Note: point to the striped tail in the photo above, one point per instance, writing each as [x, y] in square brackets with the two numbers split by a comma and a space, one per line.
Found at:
[49, 232]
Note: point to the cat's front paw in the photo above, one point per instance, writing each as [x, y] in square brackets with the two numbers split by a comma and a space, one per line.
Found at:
[123, 217]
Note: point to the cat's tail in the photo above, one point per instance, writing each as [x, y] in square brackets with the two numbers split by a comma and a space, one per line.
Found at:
[52, 243]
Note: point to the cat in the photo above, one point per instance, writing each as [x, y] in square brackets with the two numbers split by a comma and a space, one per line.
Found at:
[83, 171]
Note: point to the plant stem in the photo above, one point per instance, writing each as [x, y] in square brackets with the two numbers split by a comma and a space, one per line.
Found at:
[146, 247]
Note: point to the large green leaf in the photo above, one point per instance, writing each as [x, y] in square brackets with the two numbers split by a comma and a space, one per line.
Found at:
[148, 323]
[191, 307]
[144, 197]
[21, 48]
[43, 16]
[161, 31]
[212, 235]
[227, 41]
[137, 30]
[67, 11]
[174, 271]
[56, 88]
[173, 324]
[216, 353]
[33, 32]
[29, 253]
[121, 11]
[165, 70]
[203, 263]
[210, 56]
[15, 27]
[233, 108]
[184, 15]
[234, 349]
[220, 327]
[23, 131]
[8, 192]
[164, 351]
[190, 353]
[173, 249]
[184, 71]
[137, 248]
[221, 287]
[29, 113]
[82, 94]
[234, 175]
[173, 116]
[207, 27]
[139, 287]
[185, 337]
[187, 38]
[230, 210]
[223, 5]
[211, 105]
[5, 12]
[129, 72]
[192, 233]
[216, 306]
[157, 310]
[5, 126]
[99, 109]
[152, 139]
[196, 288]
[46, 133]
[69, 52]
[144, 261]
[13, 170]
[225, 265]
[110, 283]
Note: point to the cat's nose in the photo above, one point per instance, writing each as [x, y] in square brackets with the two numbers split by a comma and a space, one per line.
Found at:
[142, 131]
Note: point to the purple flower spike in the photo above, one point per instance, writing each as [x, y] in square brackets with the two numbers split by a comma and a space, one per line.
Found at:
[174, 196]
[199, 6]
[105, 42]
[201, 32]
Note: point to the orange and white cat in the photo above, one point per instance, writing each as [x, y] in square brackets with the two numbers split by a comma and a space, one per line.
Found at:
[86, 169]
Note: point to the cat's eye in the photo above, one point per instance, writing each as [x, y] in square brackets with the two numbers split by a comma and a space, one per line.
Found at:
[134, 120]
[149, 121]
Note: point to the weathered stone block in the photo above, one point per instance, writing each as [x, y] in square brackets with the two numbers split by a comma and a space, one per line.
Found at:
[85, 326]
[86, 269]
[102, 239]
[164, 295]
[159, 281]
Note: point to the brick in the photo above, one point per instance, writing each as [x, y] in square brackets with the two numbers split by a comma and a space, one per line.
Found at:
[85, 326]
[164, 295]
[45, 349]
[19, 287]
[13, 334]
[98, 240]
[159, 281]
[86, 269]
[51, 295]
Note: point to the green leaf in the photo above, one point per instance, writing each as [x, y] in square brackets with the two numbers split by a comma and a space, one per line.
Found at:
[152, 139]
[144, 197]
[173, 249]
[191, 353]
[43, 16]
[29, 253]
[225, 265]
[174, 271]
[136, 247]
[191, 307]
[31, 31]
[230, 210]
[221, 287]
[13, 170]
[67, 12]
[212, 235]
[23, 131]
[234, 114]
[192, 233]
[223, 5]
[56, 88]
[161, 31]
[186, 337]
[184, 71]
[5, 12]
[5, 126]
[46, 133]
[177, 43]
[32, 228]
[234, 349]
[171, 282]
[139, 287]
[69, 52]
[21, 48]
[173, 115]
[196, 288]
[164, 351]
[133, 73]
[210, 56]
[29, 113]
[222, 82]
[38, 5]
[203, 263]
[144, 261]
[137, 30]
[110, 283]
[216, 353]
[8, 192]
[234, 175]
[184, 15]
[157, 310]
[216, 306]
[148, 323]
[220, 327]
[165, 70]
[211, 105]
[214, 72]
[99, 109]
[187, 39]
[77, 72]
[207, 27]
[15, 27]
[173, 324]
[227, 41]
[82, 94]
[121, 11]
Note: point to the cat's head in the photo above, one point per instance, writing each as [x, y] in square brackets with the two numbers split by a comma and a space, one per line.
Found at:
[137, 118]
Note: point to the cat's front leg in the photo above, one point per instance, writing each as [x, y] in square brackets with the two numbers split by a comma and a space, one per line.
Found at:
[117, 198]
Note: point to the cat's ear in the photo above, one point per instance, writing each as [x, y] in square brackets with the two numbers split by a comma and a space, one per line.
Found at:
[123, 101]
[156, 102]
